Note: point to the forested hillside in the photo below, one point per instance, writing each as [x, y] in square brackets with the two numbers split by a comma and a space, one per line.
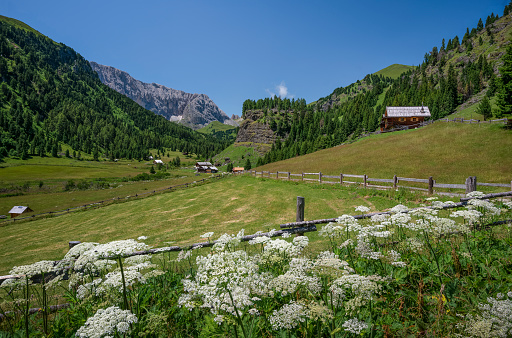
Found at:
[448, 76]
[50, 96]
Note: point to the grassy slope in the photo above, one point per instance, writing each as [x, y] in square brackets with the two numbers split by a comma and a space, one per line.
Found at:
[450, 152]
[393, 71]
[235, 153]
[18, 24]
[226, 205]
[214, 126]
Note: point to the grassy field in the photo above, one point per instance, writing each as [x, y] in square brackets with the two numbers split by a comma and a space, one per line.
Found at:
[450, 152]
[226, 205]
[393, 71]
[40, 182]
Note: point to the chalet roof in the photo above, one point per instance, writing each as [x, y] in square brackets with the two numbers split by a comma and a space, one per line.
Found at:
[158, 162]
[204, 164]
[238, 168]
[407, 111]
[19, 209]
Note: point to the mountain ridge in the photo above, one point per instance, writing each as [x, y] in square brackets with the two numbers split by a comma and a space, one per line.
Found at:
[192, 110]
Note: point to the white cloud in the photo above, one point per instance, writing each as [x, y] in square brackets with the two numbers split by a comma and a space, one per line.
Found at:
[282, 91]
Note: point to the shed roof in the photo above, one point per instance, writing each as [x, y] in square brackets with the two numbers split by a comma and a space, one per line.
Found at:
[19, 209]
[158, 162]
[238, 168]
[407, 111]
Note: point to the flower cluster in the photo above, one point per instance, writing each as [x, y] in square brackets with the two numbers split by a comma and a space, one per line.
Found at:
[106, 322]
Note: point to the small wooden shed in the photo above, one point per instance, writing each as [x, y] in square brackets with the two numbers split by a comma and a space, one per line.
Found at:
[18, 210]
[403, 117]
[206, 167]
[238, 169]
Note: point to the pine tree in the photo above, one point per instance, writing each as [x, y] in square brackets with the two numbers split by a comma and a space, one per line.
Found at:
[484, 108]
[248, 165]
[505, 90]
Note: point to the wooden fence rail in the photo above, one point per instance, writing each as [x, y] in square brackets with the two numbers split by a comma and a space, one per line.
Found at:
[470, 185]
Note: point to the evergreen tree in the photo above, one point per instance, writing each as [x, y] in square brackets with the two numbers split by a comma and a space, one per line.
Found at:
[230, 167]
[505, 90]
[152, 170]
[248, 165]
[484, 108]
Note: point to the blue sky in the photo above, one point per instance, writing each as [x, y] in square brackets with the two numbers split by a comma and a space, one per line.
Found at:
[235, 50]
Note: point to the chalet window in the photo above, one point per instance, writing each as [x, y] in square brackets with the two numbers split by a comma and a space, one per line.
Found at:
[402, 119]
[414, 119]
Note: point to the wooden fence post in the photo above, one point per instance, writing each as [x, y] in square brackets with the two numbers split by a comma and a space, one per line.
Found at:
[470, 184]
[300, 212]
[341, 179]
[302, 177]
[430, 185]
[288, 176]
[277, 174]
[365, 177]
[395, 182]
[320, 177]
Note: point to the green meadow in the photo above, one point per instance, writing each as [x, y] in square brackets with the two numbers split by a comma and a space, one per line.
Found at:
[449, 152]
[224, 206]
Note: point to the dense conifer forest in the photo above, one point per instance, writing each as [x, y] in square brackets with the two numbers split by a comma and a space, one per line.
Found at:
[50, 96]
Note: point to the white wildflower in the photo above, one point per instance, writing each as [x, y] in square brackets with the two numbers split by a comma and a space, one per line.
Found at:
[289, 316]
[354, 326]
[106, 322]
[259, 240]
[207, 234]
[399, 208]
[142, 238]
[33, 269]
[475, 194]
[362, 209]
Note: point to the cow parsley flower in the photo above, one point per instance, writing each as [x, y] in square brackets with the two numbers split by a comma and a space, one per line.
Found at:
[362, 209]
[106, 322]
[475, 194]
[289, 316]
[399, 208]
[207, 234]
[33, 269]
[354, 325]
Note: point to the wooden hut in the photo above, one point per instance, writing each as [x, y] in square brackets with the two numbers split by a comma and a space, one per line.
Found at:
[403, 117]
[18, 210]
[206, 167]
[238, 170]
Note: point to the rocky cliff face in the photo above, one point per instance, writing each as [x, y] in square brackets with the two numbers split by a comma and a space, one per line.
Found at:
[192, 110]
[254, 133]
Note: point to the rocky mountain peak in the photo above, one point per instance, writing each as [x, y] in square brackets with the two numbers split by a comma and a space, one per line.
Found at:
[192, 110]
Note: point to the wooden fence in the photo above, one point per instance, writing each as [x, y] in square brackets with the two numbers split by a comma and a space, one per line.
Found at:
[470, 121]
[396, 182]
[115, 199]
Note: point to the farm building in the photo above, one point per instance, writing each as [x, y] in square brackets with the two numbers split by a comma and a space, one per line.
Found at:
[206, 167]
[238, 170]
[403, 117]
[158, 162]
[18, 210]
